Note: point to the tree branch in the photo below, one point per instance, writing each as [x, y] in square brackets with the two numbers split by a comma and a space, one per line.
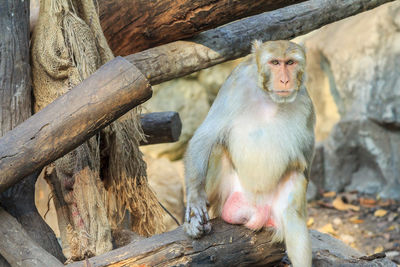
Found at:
[18, 248]
[132, 25]
[226, 245]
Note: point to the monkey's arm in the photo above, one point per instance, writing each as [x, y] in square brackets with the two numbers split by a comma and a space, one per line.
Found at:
[196, 165]
[205, 139]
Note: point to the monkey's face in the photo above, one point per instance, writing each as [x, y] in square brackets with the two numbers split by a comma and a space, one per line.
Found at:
[280, 67]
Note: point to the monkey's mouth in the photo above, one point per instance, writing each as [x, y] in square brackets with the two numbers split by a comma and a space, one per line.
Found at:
[283, 93]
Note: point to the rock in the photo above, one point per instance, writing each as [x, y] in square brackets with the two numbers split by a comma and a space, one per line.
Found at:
[212, 78]
[357, 61]
[328, 251]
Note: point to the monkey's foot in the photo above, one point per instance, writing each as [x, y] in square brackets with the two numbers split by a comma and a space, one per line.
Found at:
[237, 210]
[197, 222]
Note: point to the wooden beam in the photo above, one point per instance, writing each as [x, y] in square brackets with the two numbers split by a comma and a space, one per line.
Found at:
[232, 41]
[18, 248]
[161, 127]
[227, 245]
[131, 26]
[71, 119]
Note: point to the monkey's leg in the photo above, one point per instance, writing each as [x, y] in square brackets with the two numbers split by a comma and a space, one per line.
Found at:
[290, 210]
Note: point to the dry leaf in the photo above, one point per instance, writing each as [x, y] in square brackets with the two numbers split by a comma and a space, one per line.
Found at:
[367, 202]
[340, 205]
[391, 228]
[378, 249]
[310, 221]
[356, 220]
[380, 213]
[328, 229]
[329, 194]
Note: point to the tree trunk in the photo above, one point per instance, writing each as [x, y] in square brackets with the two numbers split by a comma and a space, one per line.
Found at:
[15, 107]
[227, 245]
[131, 26]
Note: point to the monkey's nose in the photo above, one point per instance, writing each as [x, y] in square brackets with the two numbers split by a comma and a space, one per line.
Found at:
[285, 81]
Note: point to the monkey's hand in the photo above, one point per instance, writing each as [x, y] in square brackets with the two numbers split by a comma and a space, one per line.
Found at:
[197, 221]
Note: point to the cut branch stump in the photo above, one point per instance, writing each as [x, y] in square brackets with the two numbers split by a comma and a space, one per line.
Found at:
[161, 127]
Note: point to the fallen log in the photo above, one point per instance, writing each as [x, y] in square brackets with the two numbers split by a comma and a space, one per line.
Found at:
[74, 121]
[131, 26]
[18, 248]
[232, 41]
[71, 119]
[226, 245]
[161, 127]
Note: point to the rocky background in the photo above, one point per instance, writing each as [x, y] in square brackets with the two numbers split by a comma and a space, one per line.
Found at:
[354, 80]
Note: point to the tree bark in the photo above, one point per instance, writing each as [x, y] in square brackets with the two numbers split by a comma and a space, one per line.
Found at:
[133, 26]
[234, 40]
[18, 248]
[226, 245]
[161, 127]
[71, 119]
[15, 107]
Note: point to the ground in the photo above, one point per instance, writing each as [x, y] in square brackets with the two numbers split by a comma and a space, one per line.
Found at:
[364, 222]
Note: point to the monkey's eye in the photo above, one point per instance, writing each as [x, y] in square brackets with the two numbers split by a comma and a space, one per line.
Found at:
[274, 62]
[289, 62]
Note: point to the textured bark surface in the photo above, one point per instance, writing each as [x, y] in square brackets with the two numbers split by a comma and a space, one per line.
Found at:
[227, 245]
[131, 26]
[15, 107]
[161, 127]
[18, 248]
[71, 119]
[232, 41]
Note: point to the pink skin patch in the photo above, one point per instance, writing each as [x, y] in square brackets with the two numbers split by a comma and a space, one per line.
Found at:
[237, 210]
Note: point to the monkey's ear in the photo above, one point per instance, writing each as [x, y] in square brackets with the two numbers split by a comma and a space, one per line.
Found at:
[255, 45]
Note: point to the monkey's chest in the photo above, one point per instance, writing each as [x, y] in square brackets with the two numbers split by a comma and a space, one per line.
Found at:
[261, 151]
[238, 210]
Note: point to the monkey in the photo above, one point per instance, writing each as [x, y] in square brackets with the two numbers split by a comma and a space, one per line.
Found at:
[249, 161]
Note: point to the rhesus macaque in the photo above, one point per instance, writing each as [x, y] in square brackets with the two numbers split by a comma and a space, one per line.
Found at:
[250, 158]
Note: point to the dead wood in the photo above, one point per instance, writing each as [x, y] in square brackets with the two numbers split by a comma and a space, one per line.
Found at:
[71, 119]
[161, 127]
[18, 248]
[226, 245]
[131, 26]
